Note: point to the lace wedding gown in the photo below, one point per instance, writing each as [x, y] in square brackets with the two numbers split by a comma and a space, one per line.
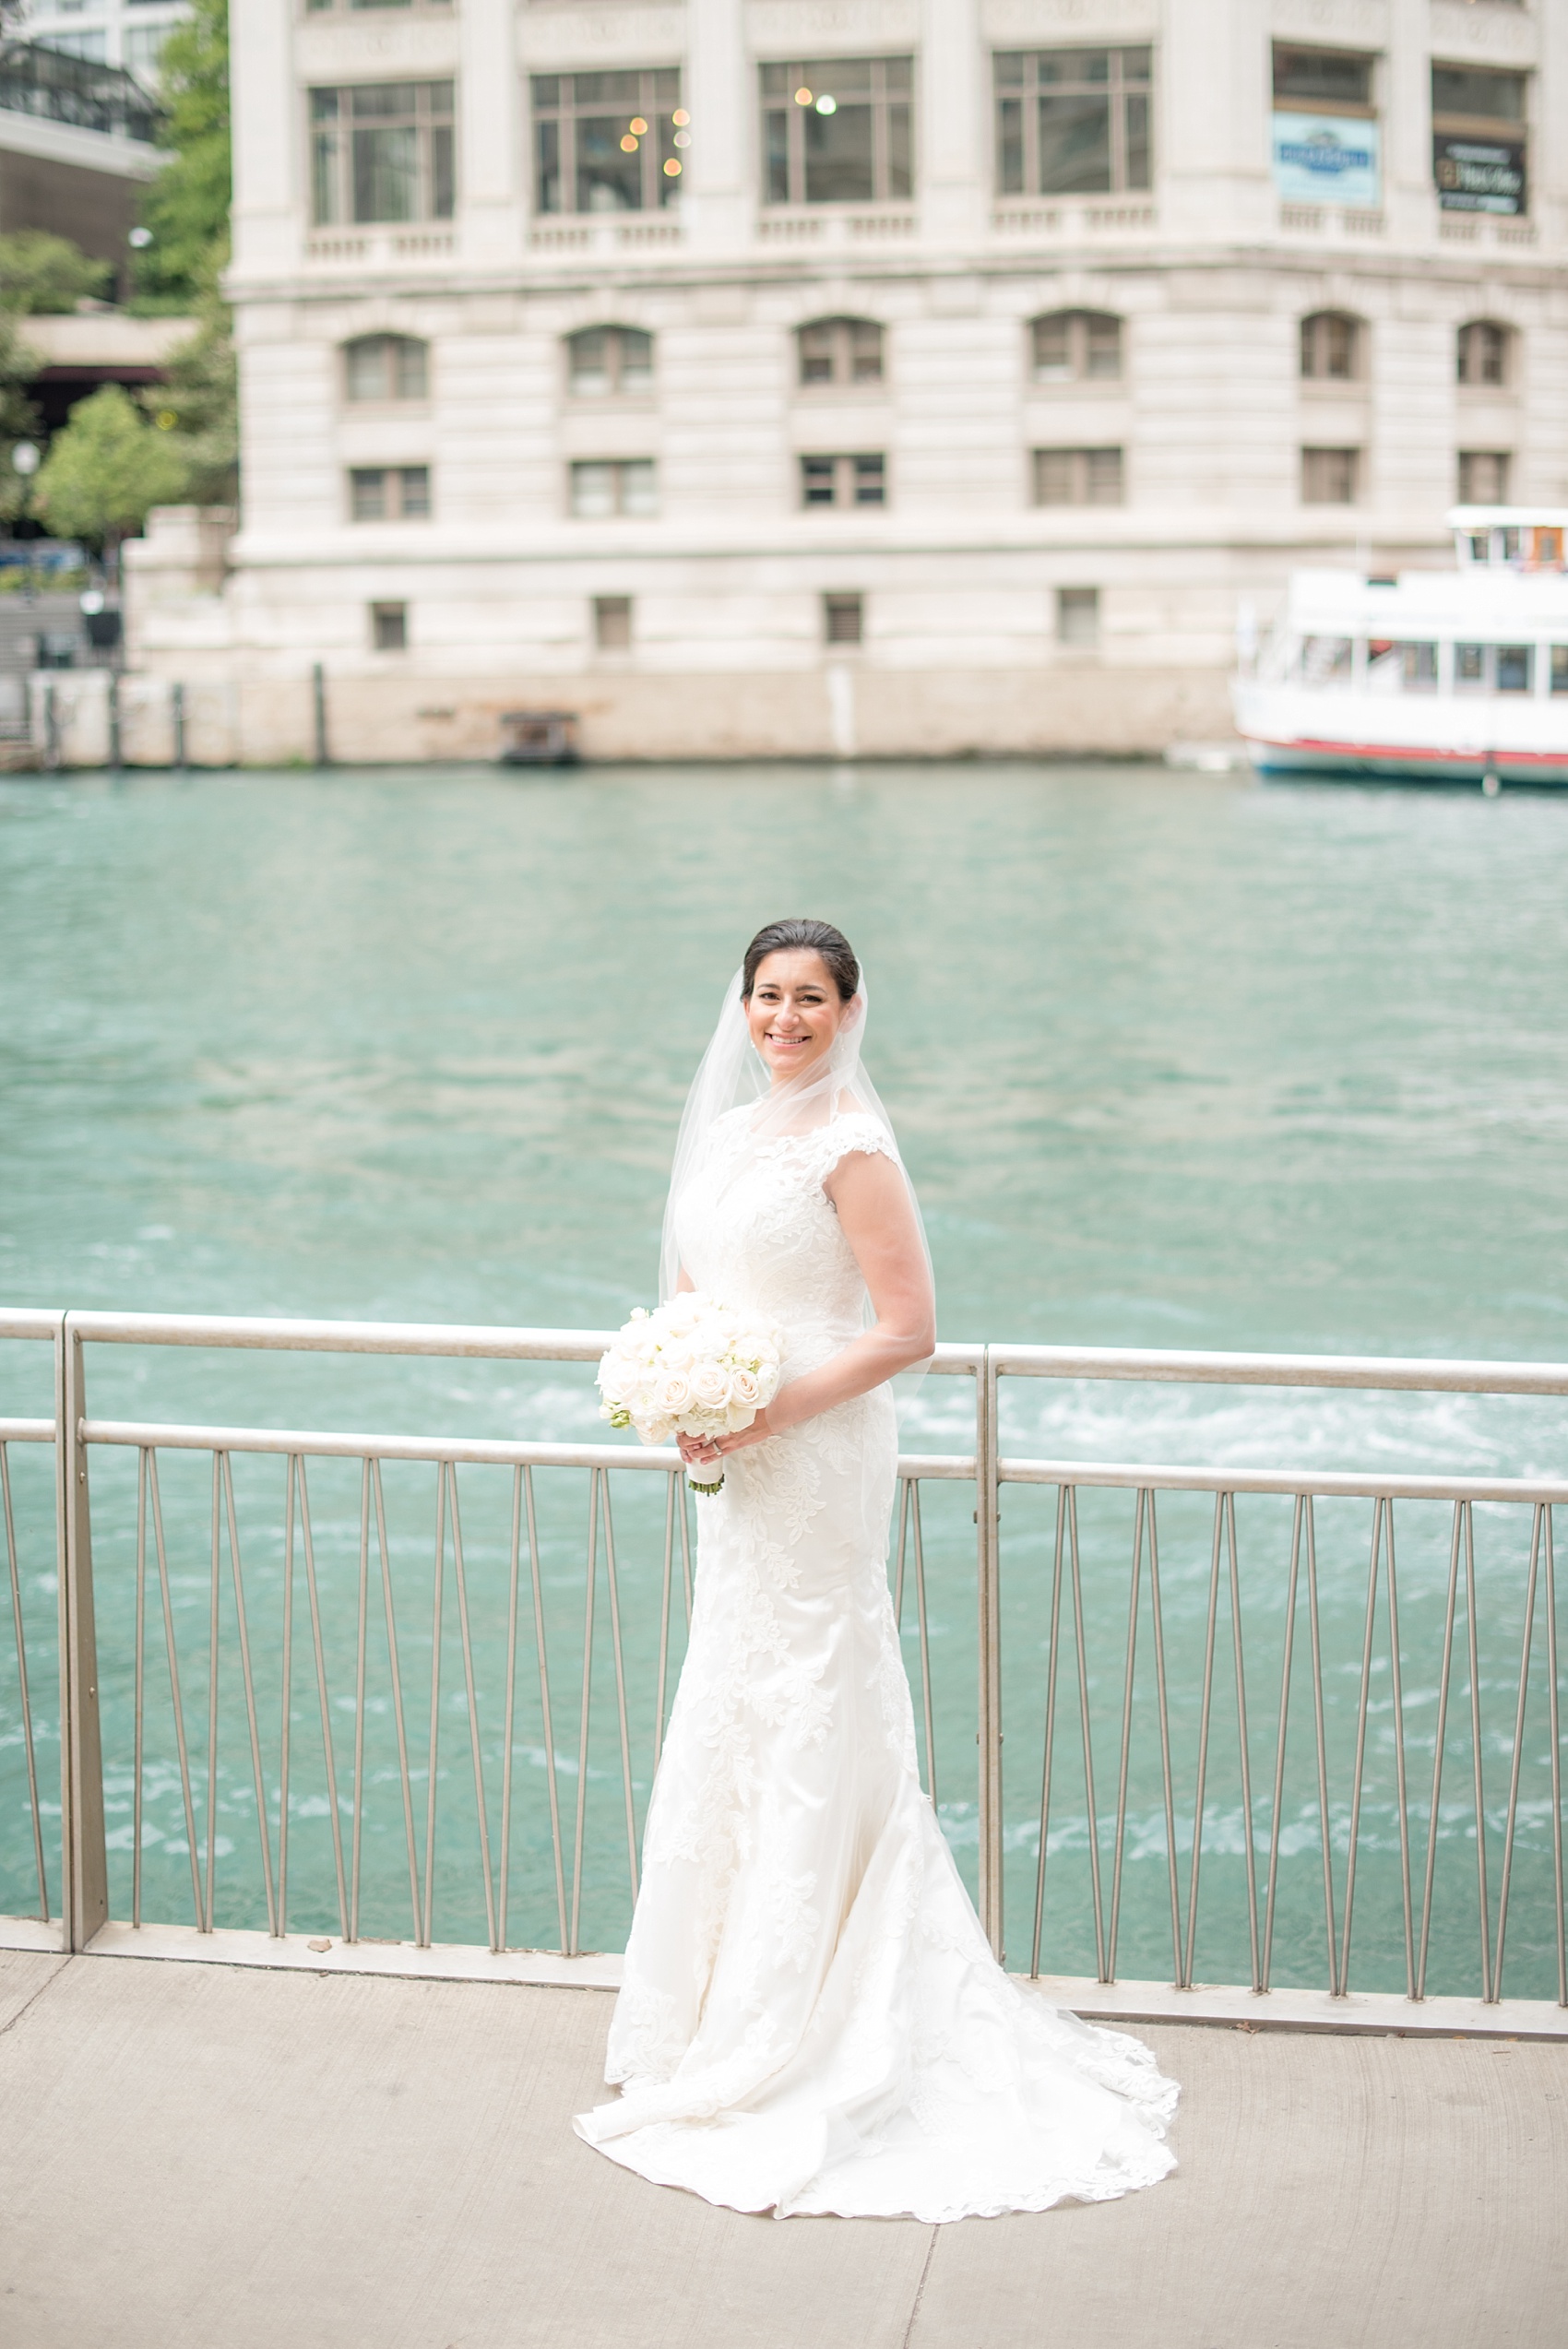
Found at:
[810, 2018]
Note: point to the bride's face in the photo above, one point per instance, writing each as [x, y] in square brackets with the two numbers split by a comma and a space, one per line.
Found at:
[795, 1013]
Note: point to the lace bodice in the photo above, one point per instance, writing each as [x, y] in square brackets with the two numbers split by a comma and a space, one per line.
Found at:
[758, 1230]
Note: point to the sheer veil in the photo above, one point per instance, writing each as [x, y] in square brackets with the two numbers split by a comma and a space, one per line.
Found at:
[730, 1079]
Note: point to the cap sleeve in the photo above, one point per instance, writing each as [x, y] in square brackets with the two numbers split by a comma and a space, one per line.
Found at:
[845, 1136]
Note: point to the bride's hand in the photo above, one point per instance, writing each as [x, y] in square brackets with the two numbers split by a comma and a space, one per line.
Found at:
[758, 1432]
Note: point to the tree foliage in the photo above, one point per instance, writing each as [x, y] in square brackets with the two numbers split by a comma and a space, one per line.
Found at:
[186, 207]
[198, 403]
[19, 418]
[40, 273]
[108, 468]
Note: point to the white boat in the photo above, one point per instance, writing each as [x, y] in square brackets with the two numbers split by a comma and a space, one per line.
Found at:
[1454, 675]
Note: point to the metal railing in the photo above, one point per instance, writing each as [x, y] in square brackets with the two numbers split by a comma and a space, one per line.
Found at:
[412, 1767]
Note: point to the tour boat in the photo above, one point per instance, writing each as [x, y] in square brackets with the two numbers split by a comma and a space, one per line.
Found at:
[1458, 675]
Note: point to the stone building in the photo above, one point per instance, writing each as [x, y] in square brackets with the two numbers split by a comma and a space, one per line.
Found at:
[858, 376]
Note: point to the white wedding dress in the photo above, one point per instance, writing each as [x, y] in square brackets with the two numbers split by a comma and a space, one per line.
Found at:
[810, 2018]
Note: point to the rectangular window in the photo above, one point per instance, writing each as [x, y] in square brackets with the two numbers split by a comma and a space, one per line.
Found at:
[1073, 122]
[603, 362]
[1327, 137]
[839, 131]
[1479, 140]
[1077, 477]
[390, 493]
[609, 142]
[613, 623]
[1516, 669]
[1330, 475]
[389, 626]
[843, 619]
[843, 480]
[1073, 346]
[840, 351]
[627, 486]
[1417, 668]
[1077, 616]
[1483, 477]
[1469, 668]
[382, 152]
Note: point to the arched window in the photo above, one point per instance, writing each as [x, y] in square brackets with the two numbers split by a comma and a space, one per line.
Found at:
[1333, 348]
[1482, 354]
[840, 351]
[386, 367]
[1076, 346]
[605, 360]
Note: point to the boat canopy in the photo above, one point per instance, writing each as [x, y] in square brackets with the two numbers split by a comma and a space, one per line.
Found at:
[1526, 537]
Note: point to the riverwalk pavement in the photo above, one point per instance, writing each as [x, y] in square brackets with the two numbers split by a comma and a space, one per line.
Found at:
[211, 2157]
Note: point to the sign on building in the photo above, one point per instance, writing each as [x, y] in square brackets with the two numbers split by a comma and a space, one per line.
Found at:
[1478, 175]
[1329, 159]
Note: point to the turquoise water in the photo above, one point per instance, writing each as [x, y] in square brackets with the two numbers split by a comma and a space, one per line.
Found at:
[1176, 1063]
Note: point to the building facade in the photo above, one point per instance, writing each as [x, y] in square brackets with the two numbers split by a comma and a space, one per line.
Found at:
[129, 33]
[859, 376]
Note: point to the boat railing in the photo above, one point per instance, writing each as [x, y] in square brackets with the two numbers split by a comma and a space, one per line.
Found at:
[394, 1702]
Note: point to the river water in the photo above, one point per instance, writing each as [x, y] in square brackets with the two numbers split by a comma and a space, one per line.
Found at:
[1176, 1062]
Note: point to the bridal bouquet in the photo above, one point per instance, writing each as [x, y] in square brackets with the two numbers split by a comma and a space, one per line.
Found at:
[692, 1366]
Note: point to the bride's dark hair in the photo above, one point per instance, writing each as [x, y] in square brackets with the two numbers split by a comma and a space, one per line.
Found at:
[804, 937]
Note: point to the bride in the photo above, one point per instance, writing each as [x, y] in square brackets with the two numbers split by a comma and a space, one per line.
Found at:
[810, 2019]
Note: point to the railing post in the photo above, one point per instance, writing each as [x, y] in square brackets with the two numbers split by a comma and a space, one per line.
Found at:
[84, 1860]
[989, 1706]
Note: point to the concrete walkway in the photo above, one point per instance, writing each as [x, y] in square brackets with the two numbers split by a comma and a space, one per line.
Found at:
[200, 2157]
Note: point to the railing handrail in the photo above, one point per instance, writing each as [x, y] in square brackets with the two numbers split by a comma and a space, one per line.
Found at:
[499, 1342]
[72, 1433]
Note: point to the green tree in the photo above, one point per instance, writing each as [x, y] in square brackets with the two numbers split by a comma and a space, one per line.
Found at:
[40, 272]
[107, 468]
[186, 207]
[199, 402]
[19, 418]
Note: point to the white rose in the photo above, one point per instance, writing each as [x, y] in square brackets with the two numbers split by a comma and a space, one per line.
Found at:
[673, 1393]
[710, 1386]
[656, 1431]
[745, 1389]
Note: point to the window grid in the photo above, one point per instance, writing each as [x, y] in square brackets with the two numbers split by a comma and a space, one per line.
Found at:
[839, 131]
[843, 480]
[389, 626]
[378, 367]
[1073, 122]
[843, 619]
[1077, 616]
[390, 493]
[1077, 476]
[613, 623]
[1076, 346]
[1330, 475]
[1483, 476]
[604, 363]
[840, 351]
[602, 488]
[609, 142]
[382, 152]
[1481, 355]
[1331, 348]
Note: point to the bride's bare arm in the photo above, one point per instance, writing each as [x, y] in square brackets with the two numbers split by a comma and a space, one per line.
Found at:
[878, 1219]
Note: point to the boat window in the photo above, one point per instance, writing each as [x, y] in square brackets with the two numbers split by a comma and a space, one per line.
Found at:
[1417, 665]
[1325, 658]
[1546, 549]
[1469, 668]
[1515, 667]
[1480, 544]
[1560, 669]
[1510, 545]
